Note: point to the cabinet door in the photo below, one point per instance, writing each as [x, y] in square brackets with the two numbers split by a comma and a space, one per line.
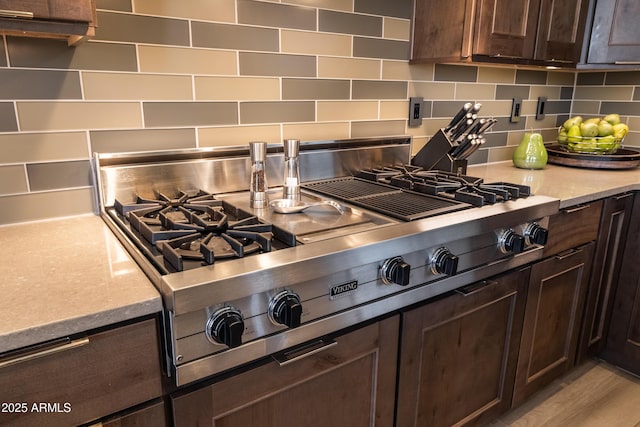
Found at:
[552, 319]
[615, 34]
[506, 28]
[55, 10]
[351, 383]
[623, 341]
[614, 225]
[561, 31]
[458, 354]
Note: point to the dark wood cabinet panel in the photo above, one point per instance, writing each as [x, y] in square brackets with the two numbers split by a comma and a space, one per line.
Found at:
[615, 34]
[612, 235]
[623, 341]
[351, 383]
[572, 227]
[533, 32]
[458, 354]
[95, 376]
[552, 319]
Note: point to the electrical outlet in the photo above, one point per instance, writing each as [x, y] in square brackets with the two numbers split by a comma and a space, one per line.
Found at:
[516, 110]
[542, 103]
[415, 111]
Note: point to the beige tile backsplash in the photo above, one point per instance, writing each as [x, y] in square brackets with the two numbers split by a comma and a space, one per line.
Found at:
[163, 75]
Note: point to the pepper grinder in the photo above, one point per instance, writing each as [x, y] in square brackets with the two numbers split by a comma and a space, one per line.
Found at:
[258, 190]
[291, 188]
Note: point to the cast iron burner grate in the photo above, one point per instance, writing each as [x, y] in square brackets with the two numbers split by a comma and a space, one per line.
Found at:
[384, 198]
[463, 188]
[194, 228]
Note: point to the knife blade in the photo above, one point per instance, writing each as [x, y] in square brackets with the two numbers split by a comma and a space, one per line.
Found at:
[459, 116]
[462, 145]
[488, 125]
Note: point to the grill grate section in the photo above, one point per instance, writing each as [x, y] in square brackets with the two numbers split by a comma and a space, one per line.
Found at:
[385, 199]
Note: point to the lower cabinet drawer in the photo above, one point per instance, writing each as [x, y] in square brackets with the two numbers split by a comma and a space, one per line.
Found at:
[573, 227]
[77, 381]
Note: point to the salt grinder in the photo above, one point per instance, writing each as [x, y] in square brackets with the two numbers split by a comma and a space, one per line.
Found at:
[258, 189]
[291, 188]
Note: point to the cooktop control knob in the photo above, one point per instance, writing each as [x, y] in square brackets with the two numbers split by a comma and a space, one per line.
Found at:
[395, 271]
[444, 262]
[535, 234]
[511, 242]
[285, 309]
[225, 326]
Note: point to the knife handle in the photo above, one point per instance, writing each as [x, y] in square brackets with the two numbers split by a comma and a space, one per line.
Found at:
[459, 116]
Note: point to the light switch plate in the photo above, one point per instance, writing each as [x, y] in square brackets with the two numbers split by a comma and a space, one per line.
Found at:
[516, 110]
[416, 107]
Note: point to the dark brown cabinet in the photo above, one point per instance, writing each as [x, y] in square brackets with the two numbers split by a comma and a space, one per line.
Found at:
[458, 354]
[537, 32]
[612, 235]
[615, 34]
[73, 20]
[82, 379]
[349, 383]
[552, 319]
[623, 341]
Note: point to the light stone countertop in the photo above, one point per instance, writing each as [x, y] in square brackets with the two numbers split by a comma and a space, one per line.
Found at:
[66, 276]
[569, 184]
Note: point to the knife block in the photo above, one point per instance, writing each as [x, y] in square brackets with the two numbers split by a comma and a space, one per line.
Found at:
[435, 155]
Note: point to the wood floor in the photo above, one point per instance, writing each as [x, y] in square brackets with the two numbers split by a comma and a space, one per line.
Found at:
[595, 395]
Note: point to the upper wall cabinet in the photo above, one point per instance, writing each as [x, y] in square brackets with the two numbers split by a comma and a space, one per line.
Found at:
[533, 32]
[615, 34]
[73, 20]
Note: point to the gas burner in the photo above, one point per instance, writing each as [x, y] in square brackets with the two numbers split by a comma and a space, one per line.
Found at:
[195, 227]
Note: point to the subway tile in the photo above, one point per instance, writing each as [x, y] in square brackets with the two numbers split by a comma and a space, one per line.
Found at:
[395, 110]
[120, 86]
[237, 88]
[456, 73]
[396, 8]
[595, 78]
[402, 70]
[622, 78]
[370, 89]
[636, 94]
[349, 23]
[316, 131]
[511, 91]
[238, 135]
[479, 157]
[277, 112]
[561, 78]
[8, 121]
[116, 141]
[265, 64]
[344, 5]
[496, 138]
[396, 29]
[496, 75]
[172, 114]
[447, 109]
[495, 108]
[315, 89]
[276, 15]
[225, 36]
[348, 68]
[179, 60]
[561, 118]
[365, 47]
[201, 10]
[378, 128]
[44, 116]
[42, 147]
[13, 180]
[314, 43]
[475, 91]
[59, 175]
[124, 27]
[551, 92]
[39, 84]
[504, 125]
[432, 90]
[622, 108]
[531, 77]
[347, 110]
[119, 5]
[37, 206]
[558, 107]
[610, 93]
[44, 53]
[566, 92]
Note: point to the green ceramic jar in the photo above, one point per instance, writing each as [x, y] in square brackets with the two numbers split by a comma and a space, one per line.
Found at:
[531, 152]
